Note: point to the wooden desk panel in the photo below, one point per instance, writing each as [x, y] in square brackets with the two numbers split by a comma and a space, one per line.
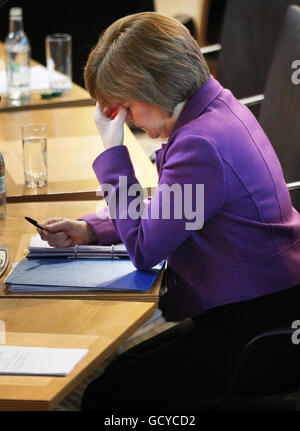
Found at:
[15, 234]
[73, 144]
[64, 122]
[98, 326]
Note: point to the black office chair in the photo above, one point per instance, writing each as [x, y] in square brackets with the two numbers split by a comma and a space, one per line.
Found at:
[279, 116]
[250, 30]
[280, 104]
[280, 400]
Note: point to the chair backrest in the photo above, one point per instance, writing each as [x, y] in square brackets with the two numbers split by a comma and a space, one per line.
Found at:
[249, 35]
[280, 111]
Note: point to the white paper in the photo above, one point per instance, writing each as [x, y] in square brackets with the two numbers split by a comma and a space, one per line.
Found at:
[36, 241]
[39, 360]
[39, 78]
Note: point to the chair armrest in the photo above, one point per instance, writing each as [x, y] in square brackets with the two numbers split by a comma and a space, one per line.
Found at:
[271, 333]
[293, 186]
[252, 100]
[211, 49]
[241, 360]
[294, 190]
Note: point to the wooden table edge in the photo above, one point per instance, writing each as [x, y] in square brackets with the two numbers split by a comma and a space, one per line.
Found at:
[50, 403]
[89, 195]
[53, 105]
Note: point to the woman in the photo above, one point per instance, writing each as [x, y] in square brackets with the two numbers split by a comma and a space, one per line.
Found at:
[230, 275]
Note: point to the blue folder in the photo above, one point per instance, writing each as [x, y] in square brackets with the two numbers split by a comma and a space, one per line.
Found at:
[60, 275]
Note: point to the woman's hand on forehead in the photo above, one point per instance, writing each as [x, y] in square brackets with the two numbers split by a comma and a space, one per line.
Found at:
[110, 121]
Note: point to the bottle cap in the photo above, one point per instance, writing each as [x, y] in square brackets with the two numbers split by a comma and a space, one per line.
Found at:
[16, 12]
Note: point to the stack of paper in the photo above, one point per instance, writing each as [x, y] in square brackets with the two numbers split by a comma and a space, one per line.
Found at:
[106, 271]
[39, 79]
[75, 275]
[40, 248]
[38, 360]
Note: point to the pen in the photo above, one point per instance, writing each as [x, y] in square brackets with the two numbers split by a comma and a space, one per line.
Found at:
[35, 223]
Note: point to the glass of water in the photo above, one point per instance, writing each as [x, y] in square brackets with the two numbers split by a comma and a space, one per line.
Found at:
[34, 138]
[59, 61]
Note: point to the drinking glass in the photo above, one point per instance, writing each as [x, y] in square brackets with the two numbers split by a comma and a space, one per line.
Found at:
[34, 138]
[59, 61]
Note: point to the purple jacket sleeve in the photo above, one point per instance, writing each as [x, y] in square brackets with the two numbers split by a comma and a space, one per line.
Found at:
[148, 239]
[102, 225]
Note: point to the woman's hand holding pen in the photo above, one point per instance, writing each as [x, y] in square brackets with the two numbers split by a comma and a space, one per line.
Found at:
[109, 122]
[63, 232]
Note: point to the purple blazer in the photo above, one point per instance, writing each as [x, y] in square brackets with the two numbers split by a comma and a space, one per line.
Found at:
[249, 245]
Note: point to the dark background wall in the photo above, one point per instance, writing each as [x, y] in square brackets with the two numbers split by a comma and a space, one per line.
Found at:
[83, 20]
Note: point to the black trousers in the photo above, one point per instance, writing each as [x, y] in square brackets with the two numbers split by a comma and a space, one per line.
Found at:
[194, 360]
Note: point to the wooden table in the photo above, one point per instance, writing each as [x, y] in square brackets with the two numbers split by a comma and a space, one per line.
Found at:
[98, 326]
[73, 144]
[77, 96]
[15, 235]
